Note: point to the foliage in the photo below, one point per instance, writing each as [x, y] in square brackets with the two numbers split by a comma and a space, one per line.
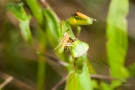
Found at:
[59, 35]
[24, 20]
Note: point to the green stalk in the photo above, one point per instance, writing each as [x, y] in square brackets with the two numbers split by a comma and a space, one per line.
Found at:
[78, 31]
[37, 13]
[41, 73]
[41, 67]
[36, 10]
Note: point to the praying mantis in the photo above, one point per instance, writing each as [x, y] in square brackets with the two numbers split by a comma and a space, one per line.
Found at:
[78, 71]
[78, 50]
[76, 19]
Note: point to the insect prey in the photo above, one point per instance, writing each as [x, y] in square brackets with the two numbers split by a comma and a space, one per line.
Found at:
[65, 42]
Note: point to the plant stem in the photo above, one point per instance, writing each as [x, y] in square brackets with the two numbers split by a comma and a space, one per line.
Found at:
[36, 10]
[41, 63]
[41, 73]
[78, 31]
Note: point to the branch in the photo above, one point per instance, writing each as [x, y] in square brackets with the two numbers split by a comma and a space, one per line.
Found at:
[53, 59]
[16, 82]
[46, 5]
[96, 76]
[9, 79]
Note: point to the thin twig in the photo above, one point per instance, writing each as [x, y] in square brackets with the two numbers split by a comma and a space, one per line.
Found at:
[53, 59]
[16, 82]
[9, 79]
[96, 76]
[45, 4]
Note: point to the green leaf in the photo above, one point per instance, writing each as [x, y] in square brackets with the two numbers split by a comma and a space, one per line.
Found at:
[52, 23]
[79, 81]
[18, 11]
[20, 14]
[79, 48]
[117, 37]
[24, 25]
[53, 31]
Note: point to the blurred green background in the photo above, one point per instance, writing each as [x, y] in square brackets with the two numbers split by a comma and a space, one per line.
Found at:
[19, 60]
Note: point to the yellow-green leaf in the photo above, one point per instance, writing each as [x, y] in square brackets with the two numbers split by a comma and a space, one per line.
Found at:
[18, 11]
